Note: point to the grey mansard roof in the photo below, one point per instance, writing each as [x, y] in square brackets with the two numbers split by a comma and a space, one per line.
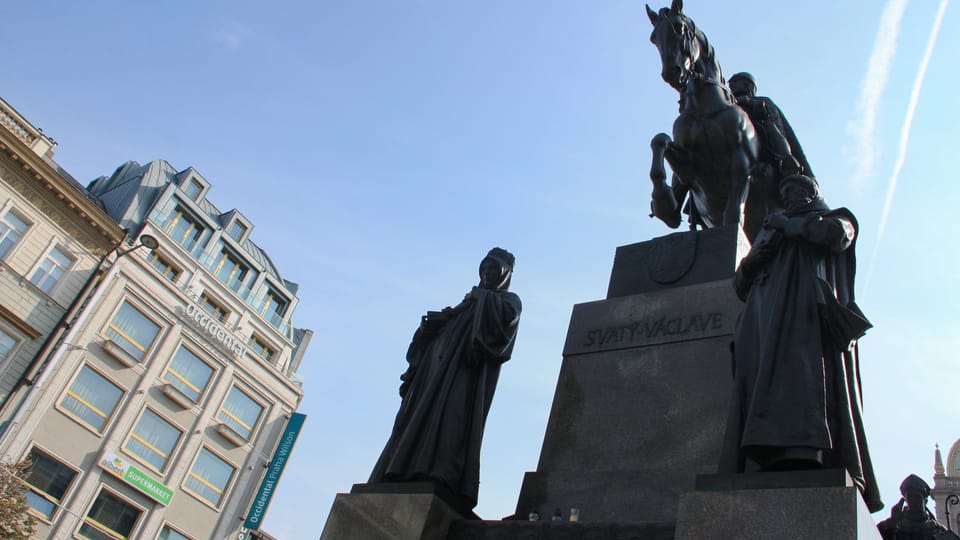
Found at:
[132, 192]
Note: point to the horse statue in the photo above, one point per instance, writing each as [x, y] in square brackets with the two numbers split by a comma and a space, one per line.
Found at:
[714, 144]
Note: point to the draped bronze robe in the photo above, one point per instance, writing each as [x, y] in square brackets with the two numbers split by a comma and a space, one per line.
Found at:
[447, 393]
[797, 378]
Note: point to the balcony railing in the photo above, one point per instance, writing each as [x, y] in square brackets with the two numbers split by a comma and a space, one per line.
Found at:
[19, 126]
[255, 299]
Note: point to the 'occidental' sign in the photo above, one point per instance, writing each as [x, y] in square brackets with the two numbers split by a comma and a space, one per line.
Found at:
[202, 320]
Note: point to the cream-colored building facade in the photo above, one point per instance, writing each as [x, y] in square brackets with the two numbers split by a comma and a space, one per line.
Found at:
[53, 238]
[158, 412]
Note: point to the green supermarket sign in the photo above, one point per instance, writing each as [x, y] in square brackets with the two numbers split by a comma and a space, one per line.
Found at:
[125, 471]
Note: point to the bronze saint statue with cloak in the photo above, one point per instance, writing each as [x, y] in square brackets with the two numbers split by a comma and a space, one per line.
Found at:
[454, 362]
[796, 402]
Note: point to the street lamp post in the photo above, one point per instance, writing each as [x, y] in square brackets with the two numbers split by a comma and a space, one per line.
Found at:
[951, 500]
[51, 347]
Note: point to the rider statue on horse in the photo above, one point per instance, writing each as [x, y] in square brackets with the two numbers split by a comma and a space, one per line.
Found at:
[715, 145]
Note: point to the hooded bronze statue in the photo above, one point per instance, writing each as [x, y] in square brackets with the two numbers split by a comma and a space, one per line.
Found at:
[454, 362]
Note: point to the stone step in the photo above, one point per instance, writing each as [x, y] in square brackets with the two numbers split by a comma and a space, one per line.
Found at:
[550, 530]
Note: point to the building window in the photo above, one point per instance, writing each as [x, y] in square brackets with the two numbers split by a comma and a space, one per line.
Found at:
[230, 270]
[240, 412]
[7, 345]
[47, 481]
[209, 477]
[274, 306]
[109, 518]
[132, 331]
[12, 229]
[165, 267]
[184, 229]
[91, 398]
[260, 348]
[193, 189]
[236, 230]
[153, 439]
[171, 534]
[188, 374]
[213, 308]
[53, 267]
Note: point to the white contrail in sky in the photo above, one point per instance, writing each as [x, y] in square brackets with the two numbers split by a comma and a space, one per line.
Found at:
[905, 130]
[872, 87]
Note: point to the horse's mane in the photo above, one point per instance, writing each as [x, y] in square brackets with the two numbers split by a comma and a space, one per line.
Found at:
[709, 67]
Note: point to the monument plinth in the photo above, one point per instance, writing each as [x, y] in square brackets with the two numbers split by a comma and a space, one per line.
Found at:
[643, 391]
[398, 511]
[796, 505]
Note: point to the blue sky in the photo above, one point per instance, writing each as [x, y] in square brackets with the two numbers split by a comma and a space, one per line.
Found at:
[382, 147]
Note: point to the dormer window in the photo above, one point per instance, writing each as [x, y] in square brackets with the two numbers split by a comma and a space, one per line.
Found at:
[184, 228]
[274, 306]
[230, 269]
[237, 230]
[162, 265]
[260, 348]
[212, 307]
[192, 189]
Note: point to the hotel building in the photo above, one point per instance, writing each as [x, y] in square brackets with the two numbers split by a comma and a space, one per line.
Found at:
[157, 413]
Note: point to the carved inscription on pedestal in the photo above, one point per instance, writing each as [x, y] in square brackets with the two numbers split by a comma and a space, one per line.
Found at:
[683, 314]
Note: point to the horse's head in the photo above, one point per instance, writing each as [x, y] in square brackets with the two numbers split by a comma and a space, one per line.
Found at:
[675, 36]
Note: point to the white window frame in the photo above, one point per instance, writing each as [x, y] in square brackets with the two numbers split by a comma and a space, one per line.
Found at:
[10, 208]
[208, 297]
[147, 314]
[253, 397]
[173, 451]
[256, 336]
[58, 505]
[134, 531]
[72, 257]
[166, 261]
[17, 339]
[190, 182]
[70, 414]
[168, 525]
[244, 229]
[224, 493]
[192, 349]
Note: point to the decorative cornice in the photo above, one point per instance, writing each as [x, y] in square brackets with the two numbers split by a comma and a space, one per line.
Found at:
[18, 323]
[59, 200]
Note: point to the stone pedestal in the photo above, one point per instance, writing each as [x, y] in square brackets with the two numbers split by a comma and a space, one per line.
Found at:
[811, 505]
[641, 401]
[409, 511]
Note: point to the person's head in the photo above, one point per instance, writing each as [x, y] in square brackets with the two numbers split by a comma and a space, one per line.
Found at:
[743, 84]
[797, 191]
[496, 269]
[915, 491]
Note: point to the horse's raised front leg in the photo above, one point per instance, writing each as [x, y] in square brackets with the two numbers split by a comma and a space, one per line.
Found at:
[663, 201]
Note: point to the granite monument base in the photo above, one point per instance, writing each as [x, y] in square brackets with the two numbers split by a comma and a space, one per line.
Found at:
[558, 530]
[801, 505]
[641, 401]
[403, 511]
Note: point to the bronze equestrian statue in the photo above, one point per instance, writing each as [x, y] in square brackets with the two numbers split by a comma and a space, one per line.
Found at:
[714, 143]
